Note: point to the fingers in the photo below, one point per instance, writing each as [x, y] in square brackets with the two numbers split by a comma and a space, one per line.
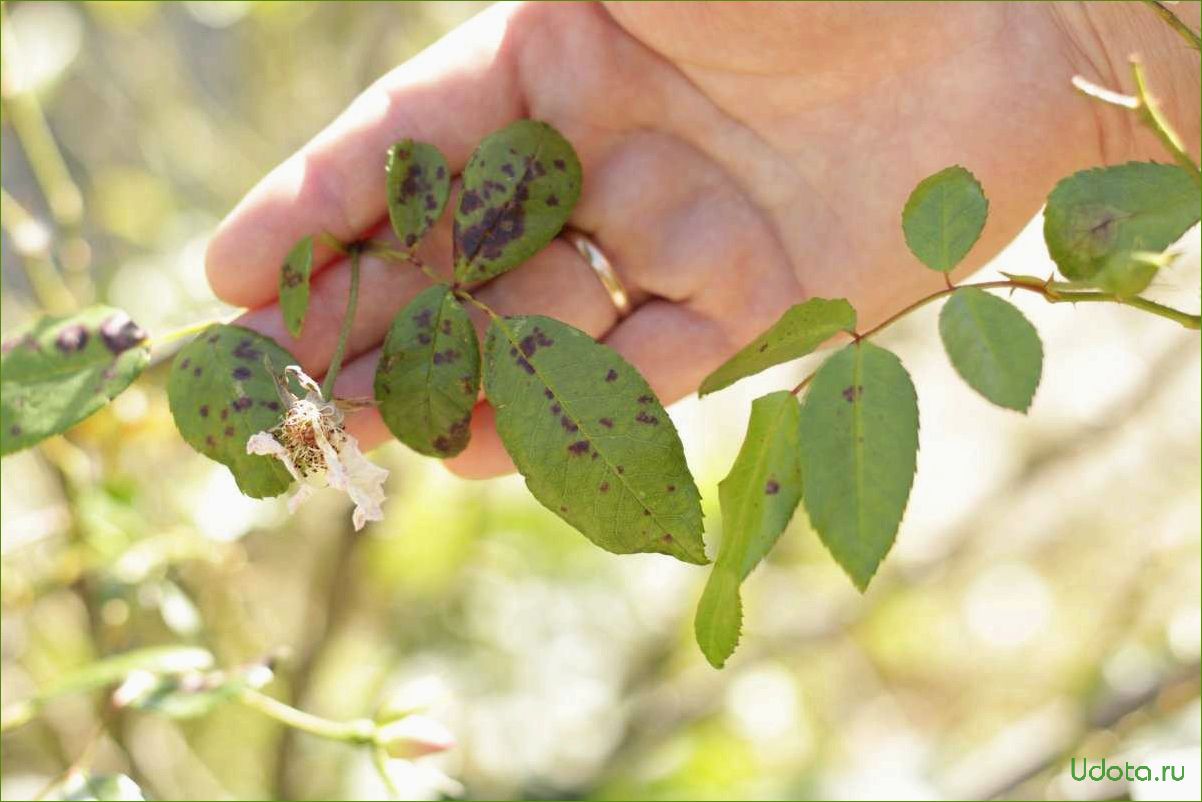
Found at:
[452, 95]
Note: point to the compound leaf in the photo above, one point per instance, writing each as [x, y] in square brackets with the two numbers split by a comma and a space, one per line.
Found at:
[993, 347]
[518, 190]
[429, 374]
[758, 498]
[221, 393]
[801, 329]
[1094, 214]
[60, 370]
[419, 182]
[944, 217]
[593, 442]
[859, 445]
[294, 285]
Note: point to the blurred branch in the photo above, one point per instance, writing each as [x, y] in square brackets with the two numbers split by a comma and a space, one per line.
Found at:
[21, 107]
[1106, 715]
[31, 240]
[332, 607]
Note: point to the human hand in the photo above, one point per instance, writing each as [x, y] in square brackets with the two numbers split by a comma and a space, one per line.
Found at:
[738, 158]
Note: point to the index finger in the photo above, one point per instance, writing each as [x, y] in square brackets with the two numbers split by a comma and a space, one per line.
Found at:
[452, 95]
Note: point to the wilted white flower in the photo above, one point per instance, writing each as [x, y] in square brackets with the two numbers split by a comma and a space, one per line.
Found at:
[313, 445]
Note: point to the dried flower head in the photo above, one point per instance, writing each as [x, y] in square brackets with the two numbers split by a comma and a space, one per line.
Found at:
[313, 444]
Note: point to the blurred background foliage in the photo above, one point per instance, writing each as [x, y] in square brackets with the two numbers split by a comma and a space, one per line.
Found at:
[1042, 601]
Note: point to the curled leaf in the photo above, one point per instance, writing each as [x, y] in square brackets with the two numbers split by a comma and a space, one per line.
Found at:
[294, 285]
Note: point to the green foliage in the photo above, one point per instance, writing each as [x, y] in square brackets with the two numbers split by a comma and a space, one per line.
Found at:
[801, 329]
[944, 217]
[60, 370]
[429, 374]
[992, 346]
[1128, 273]
[593, 442]
[294, 285]
[1095, 214]
[859, 444]
[758, 498]
[101, 788]
[221, 393]
[161, 660]
[518, 190]
[419, 182]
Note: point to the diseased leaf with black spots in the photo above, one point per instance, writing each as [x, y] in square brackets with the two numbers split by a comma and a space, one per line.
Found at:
[59, 370]
[801, 329]
[294, 285]
[944, 216]
[419, 182]
[593, 442]
[993, 347]
[1094, 214]
[758, 498]
[518, 190]
[429, 374]
[859, 446]
[221, 393]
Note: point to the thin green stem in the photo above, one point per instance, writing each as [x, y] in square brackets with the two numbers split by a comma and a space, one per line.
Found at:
[404, 257]
[1194, 40]
[1050, 291]
[464, 295]
[356, 731]
[1149, 114]
[379, 758]
[344, 334]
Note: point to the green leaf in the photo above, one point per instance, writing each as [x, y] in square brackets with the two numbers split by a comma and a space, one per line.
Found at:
[944, 217]
[221, 393]
[419, 182]
[518, 190]
[60, 370]
[294, 285]
[859, 444]
[100, 788]
[758, 498]
[801, 329]
[592, 440]
[429, 374]
[1128, 273]
[992, 346]
[1095, 214]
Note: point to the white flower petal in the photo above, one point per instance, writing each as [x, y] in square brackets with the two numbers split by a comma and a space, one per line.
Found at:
[303, 491]
[265, 444]
[361, 479]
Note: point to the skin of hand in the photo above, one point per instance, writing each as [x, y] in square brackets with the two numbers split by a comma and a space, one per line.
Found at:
[738, 158]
